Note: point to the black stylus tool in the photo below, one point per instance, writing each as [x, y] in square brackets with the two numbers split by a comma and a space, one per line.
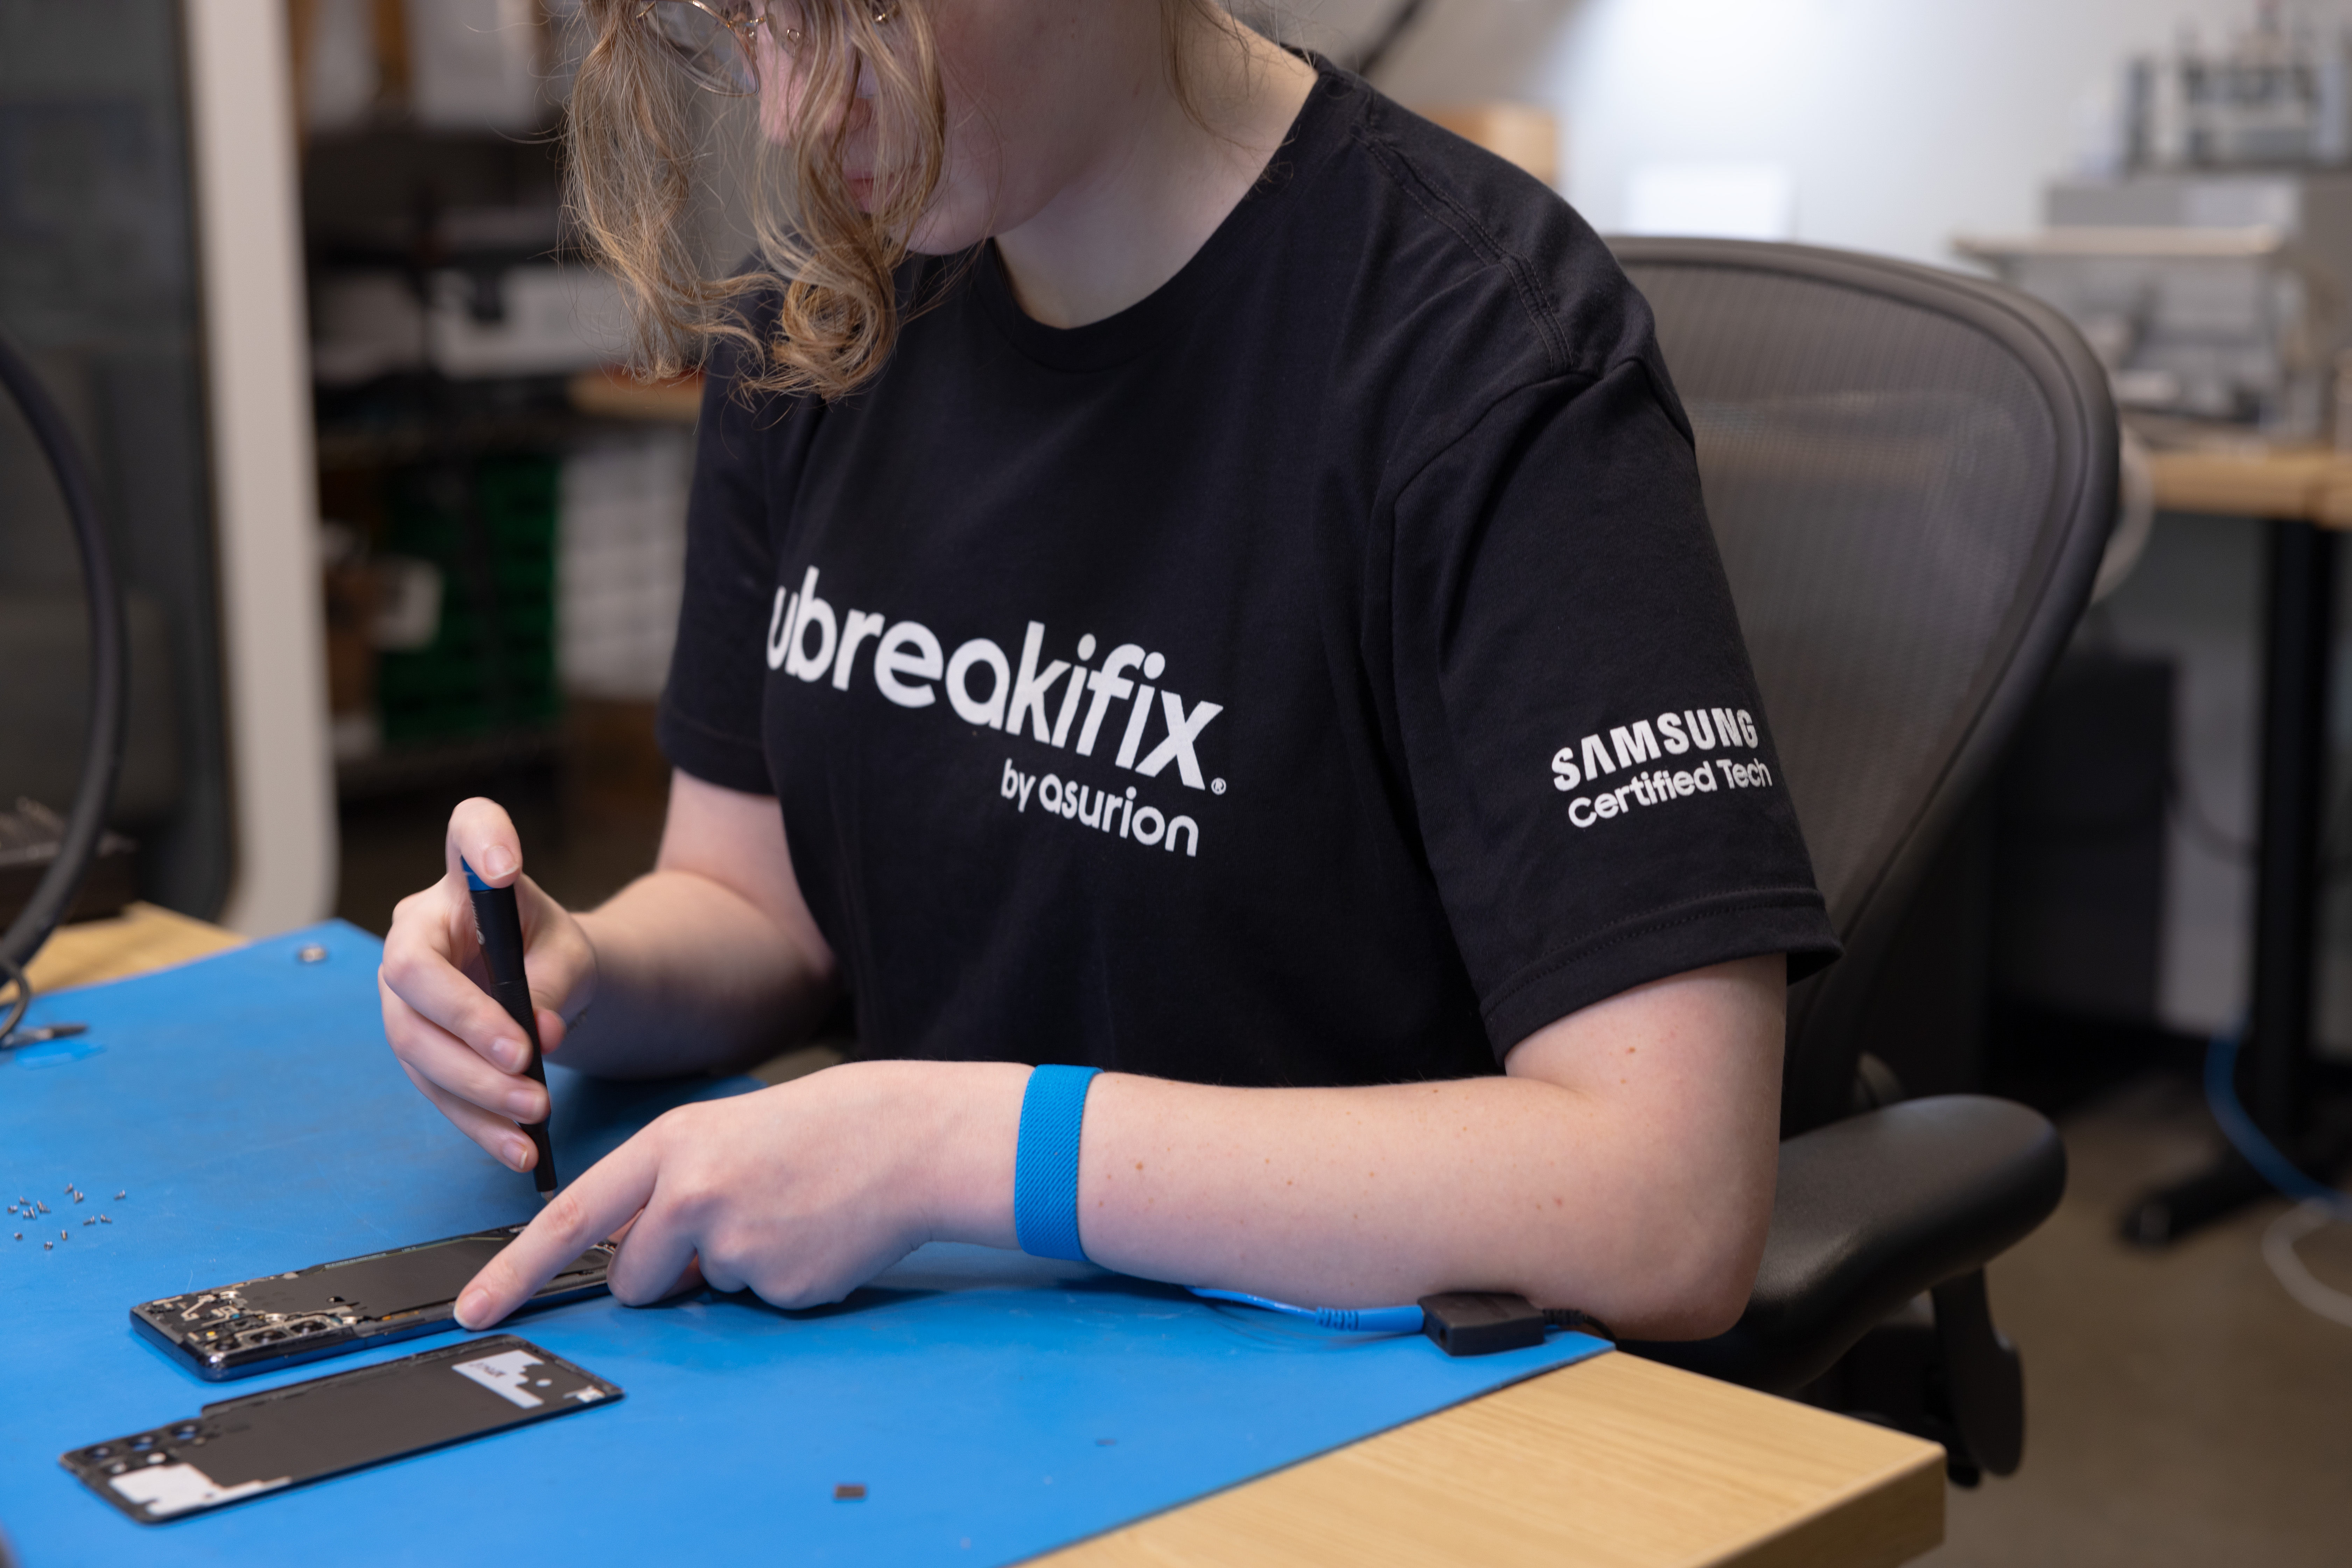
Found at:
[499, 923]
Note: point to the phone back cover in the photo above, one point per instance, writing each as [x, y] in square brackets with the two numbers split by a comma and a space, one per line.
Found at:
[262, 1443]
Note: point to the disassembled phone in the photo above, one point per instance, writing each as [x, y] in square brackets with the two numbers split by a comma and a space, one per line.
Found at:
[263, 1443]
[333, 1308]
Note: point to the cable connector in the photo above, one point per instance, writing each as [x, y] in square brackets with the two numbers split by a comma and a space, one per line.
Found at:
[1481, 1323]
[1459, 1322]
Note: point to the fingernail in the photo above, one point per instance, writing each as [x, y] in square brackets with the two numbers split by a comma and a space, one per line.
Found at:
[523, 1105]
[473, 1305]
[510, 1055]
[516, 1152]
[496, 861]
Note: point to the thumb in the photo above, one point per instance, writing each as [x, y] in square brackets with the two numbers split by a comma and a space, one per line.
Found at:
[482, 836]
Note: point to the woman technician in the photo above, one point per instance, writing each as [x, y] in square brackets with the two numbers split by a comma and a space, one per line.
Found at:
[1202, 575]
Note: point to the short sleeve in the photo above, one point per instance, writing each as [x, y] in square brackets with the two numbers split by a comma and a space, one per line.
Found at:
[709, 720]
[1588, 760]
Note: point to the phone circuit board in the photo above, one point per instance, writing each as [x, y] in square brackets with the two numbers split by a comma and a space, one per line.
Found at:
[333, 1309]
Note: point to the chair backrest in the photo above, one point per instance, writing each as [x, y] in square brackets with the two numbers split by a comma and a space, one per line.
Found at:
[1911, 475]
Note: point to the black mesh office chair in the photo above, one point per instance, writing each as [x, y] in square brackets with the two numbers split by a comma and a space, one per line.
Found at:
[1911, 475]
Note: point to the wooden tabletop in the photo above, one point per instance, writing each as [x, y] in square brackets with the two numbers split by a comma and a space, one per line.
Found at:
[2310, 483]
[145, 937]
[1615, 1462]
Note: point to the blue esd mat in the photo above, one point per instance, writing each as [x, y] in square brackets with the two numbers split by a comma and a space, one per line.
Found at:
[992, 1407]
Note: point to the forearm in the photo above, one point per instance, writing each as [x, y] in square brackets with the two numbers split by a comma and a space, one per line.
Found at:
[1624, 1167]
[1365, 1197]
[1373, 1195]
[690, 976]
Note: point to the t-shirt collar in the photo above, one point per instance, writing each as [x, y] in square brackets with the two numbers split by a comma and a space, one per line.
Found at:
[1098, 345]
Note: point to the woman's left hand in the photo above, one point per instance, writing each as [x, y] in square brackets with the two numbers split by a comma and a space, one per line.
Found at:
[801, 1192]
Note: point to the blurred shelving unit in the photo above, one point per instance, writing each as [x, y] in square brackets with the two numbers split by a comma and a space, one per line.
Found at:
[504, 529]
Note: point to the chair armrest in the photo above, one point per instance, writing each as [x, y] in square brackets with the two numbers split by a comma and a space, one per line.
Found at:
[1870, 1211]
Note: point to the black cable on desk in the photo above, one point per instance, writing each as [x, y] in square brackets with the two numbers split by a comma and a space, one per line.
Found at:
[102, 751]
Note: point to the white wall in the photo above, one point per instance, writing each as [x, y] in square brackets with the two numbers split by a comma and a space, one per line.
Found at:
[1902, 121]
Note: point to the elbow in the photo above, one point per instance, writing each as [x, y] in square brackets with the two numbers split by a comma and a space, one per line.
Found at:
[1708, 1298]
[1693, 1273]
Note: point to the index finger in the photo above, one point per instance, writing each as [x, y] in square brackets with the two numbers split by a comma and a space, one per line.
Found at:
[584, 1214]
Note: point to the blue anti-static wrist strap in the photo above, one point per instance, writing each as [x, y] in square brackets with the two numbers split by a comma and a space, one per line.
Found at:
[1046, 1164]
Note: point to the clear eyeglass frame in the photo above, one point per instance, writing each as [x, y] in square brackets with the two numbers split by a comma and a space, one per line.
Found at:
[717, 42]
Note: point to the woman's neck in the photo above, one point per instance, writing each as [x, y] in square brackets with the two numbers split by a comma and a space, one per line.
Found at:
[1163, 181]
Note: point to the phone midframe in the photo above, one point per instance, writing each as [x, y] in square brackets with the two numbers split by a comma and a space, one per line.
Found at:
[276, 1320]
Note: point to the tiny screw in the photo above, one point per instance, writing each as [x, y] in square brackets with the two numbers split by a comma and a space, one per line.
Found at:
[103, 1220]
[89, 1222]
[63, 1235]
[43, 1207]
[311, 953]
[79, 1197]
[20, 1236]
[48, 1246]
[849, 1491]
[119, 1197]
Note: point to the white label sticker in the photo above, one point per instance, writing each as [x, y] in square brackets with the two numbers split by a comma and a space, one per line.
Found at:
[169, 1489]
[504, 1375]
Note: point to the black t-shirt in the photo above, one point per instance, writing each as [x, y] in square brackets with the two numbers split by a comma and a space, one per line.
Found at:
[1320, 672]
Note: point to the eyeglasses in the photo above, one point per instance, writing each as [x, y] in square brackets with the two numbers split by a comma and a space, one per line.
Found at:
[718, 43]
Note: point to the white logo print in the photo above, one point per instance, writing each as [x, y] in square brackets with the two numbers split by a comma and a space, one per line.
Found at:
[806, 641]
[1629, 746]
[1100, 809]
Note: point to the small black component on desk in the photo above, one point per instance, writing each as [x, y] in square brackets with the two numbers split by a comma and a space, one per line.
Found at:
[1481, 1323]
[41, 1035]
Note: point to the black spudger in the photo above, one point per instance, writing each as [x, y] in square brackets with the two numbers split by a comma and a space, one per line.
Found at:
[499, 923]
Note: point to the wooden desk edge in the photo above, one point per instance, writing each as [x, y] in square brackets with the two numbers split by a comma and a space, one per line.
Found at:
[1876, 1522]
[608, 395]
[1614, 1461]
[141, 938]
[2309, 484]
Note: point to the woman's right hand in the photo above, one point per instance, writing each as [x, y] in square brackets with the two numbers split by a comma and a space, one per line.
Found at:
[456, 1043]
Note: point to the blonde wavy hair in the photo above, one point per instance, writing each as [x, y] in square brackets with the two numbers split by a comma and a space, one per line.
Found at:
[638, 139]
